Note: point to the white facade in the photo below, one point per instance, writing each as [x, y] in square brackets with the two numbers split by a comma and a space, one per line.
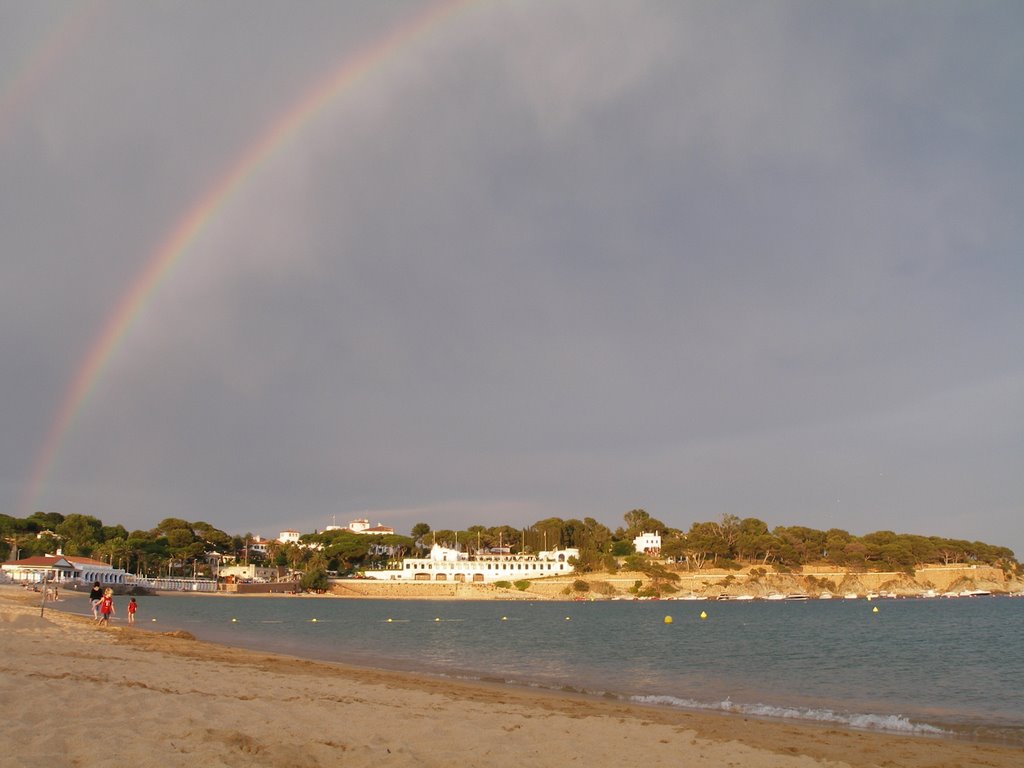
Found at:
[362, 525]
[258, 544]
[34, 570]
[249, 572]
[289, 537]
[445, 564]
[96, 570]
[648, 543]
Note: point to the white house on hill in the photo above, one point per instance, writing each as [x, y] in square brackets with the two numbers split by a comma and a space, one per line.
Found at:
[648, 543]
[362, 525]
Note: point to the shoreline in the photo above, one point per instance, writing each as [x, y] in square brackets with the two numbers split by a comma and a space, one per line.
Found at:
[933, 581]
[172, 700]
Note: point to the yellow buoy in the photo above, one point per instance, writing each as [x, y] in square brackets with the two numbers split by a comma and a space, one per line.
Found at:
[390, 620]
[504, 618]
[567, 618]
[703, 615]
[875, 609]
[668, 619]
[232, 621]
[313, 620]
[154, 619]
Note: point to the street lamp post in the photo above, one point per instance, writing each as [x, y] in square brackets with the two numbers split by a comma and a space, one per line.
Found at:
[44, 590]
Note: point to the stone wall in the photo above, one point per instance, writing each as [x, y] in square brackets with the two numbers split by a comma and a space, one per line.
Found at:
[708, 582]
[272, 588]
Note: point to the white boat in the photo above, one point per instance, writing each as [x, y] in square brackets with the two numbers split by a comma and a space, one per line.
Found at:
[850, 596]
[798, 596]
[776, 596]
[825, 596]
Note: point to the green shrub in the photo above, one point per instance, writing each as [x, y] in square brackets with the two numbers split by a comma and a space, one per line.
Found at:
[581, 586]
[503, 584]
[622, 548]
[522, 585]
[314, 580]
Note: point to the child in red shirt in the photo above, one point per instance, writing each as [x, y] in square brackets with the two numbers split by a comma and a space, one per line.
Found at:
[132, 605]
[106, 606]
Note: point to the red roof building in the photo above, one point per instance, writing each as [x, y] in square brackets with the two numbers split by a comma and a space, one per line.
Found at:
[39, 568]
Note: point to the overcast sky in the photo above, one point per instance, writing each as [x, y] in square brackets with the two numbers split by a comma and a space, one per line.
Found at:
[546, 258]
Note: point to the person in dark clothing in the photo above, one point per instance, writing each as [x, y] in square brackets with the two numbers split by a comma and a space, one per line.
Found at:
[95, 595]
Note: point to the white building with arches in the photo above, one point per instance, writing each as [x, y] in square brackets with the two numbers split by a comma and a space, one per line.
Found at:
[446, 564]
[62, 568]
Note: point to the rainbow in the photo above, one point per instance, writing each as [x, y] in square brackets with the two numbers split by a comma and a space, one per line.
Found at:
[198, 217]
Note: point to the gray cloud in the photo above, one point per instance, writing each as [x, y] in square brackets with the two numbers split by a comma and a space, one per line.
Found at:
[548, 259]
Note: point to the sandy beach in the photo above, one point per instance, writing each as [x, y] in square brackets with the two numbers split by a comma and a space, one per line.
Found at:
[75, 694]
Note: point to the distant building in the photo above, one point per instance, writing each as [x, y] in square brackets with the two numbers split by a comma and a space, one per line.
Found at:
[253, 573]
[289, 537]
[362, 525]
[258, 544]
[446, 564]
[648, 544]
[61, 568]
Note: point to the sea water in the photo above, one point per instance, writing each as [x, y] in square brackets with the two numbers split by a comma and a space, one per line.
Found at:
[940, 666]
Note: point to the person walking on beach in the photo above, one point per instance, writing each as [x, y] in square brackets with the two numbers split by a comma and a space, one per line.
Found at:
[132, 606]
[106, 606]
[95, 595]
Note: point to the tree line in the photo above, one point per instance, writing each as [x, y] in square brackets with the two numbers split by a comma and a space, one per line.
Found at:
[179, 547]
[749, 541]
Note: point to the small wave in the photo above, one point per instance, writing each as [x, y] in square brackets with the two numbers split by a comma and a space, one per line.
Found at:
[887, 723]
[891, 723]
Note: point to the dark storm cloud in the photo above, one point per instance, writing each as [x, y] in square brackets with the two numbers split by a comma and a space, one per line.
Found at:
[551, 258]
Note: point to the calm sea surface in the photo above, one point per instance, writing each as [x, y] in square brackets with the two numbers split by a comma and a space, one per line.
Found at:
[926, 666]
